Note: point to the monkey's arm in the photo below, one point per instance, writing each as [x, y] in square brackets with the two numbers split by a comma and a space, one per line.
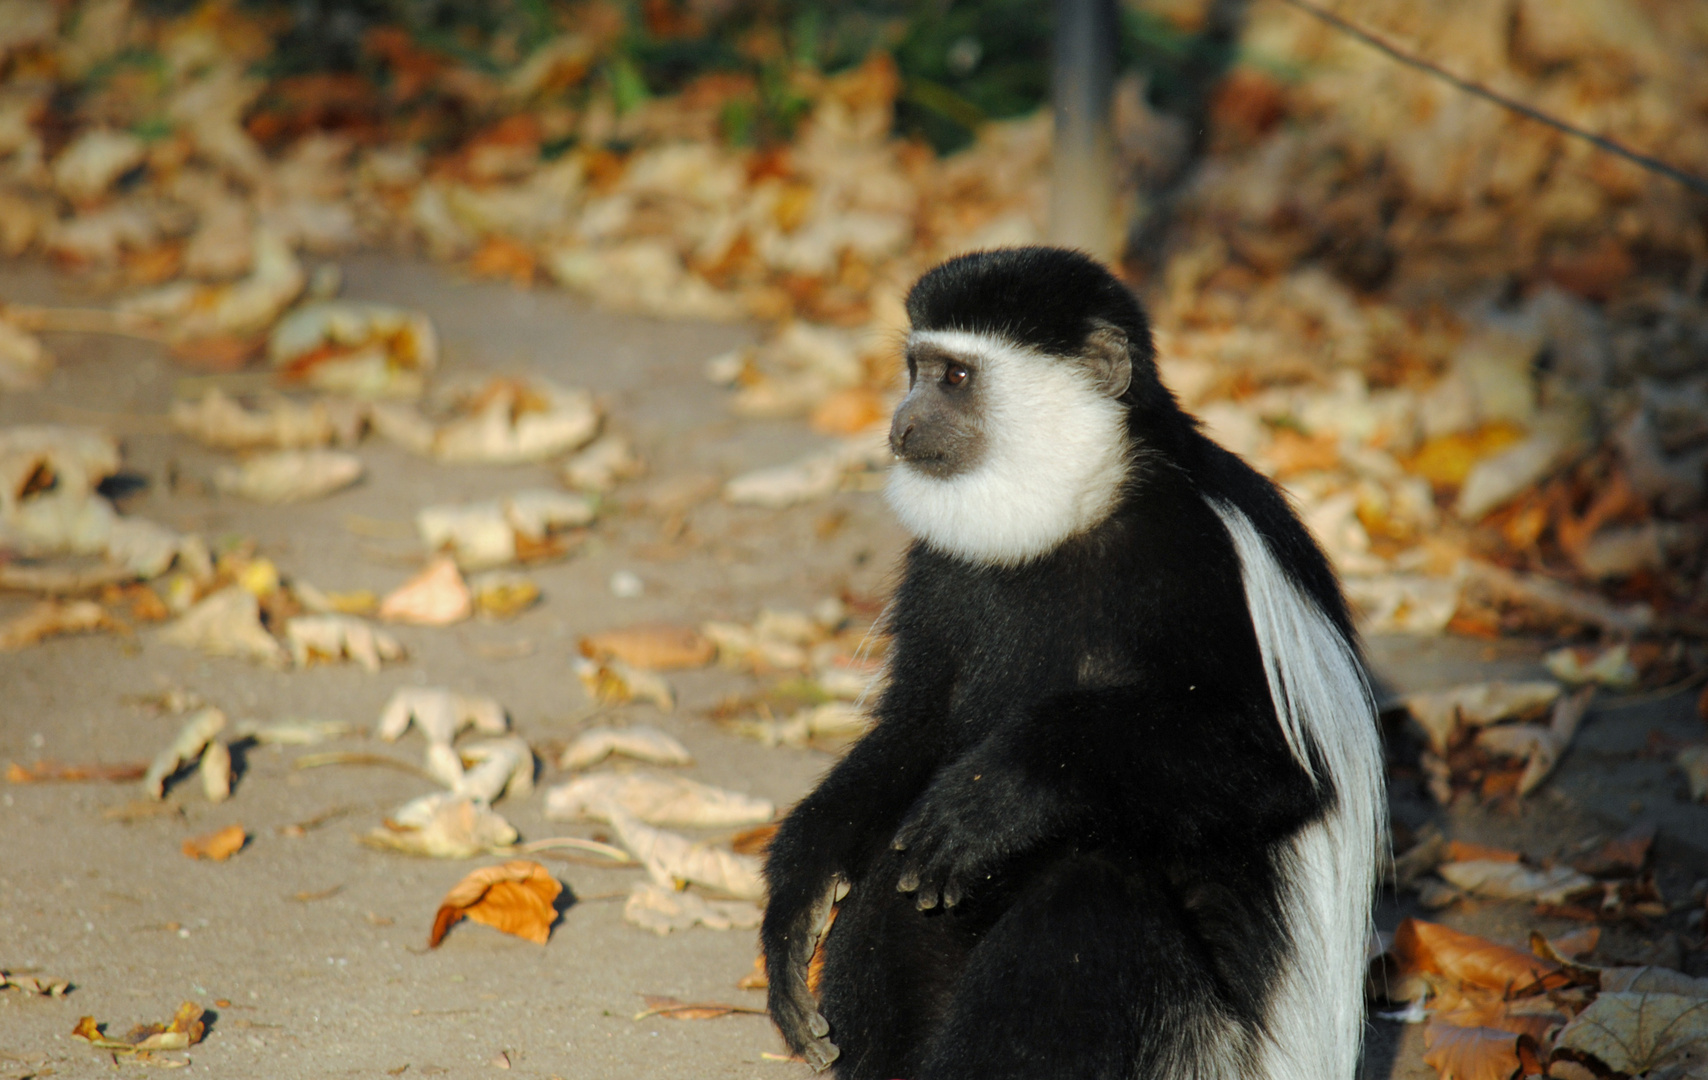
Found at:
[826, 841]
[1124, 766]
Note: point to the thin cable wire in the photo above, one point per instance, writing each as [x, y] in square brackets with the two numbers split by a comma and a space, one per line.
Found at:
[1655, 165]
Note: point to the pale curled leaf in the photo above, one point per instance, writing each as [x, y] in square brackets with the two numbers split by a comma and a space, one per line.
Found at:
[439, 714]
[288, 476]
[832, 720]
[662, 909]
[1610, 667]
[500, 766]
[369, 350]
[671, 859]
[228, 623]
[677, 1009]
[1513, 881]
[223, 422]
[332, 638]
[637, 741]
[515, 421]
[672, 801]
[1476, 704]
[515, 897]
[193, 736]
[443, 826]
[216, 772]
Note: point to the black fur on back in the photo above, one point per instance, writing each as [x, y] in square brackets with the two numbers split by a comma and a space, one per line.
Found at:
[1093, 731]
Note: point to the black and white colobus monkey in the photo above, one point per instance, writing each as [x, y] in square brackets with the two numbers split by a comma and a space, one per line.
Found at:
[1119, 813]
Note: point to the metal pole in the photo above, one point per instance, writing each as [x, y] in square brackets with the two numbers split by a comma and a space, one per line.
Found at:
[1082, 192]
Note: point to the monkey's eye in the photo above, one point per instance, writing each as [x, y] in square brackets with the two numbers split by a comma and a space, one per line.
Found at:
[955, 374]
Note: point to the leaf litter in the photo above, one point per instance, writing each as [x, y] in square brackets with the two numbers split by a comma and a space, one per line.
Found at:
[515, 897]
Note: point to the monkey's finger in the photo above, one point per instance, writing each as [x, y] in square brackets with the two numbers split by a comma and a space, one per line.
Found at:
[951, 894]
[817, 1024]
[820, 1054]
[908, 882]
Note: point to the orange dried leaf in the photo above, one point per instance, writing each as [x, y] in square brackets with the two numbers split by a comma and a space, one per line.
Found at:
[1470, 1053]
[756, 979]
[437, 596]
[217, 846]
[1446, 460]
[515, 897]
[652, 646]
[1464, 851]
[1430, 948]
[501, 257]
[677, 1009]
[41, 771]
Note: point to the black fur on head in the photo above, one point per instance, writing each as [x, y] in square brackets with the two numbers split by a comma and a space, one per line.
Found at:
[1044, 298]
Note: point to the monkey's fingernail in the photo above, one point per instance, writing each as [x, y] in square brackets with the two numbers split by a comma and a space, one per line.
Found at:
[818, 1025]
[908, 883]
[842, 888]
[927, 901]
[951, 896]
[898, 844]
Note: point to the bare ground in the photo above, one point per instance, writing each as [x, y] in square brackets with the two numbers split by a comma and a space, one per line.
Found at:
[310, 952]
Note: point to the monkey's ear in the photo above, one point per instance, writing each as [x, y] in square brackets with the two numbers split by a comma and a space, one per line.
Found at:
[1107, 358]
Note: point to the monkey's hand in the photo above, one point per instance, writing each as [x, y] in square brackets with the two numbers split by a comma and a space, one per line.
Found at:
[789, 946]
[977, 813]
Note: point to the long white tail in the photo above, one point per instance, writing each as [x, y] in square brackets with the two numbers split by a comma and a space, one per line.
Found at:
[1327, 714]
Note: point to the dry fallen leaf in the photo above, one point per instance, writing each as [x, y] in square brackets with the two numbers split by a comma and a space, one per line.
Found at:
[672, 801]
[216, 772]
[509, 421]
[217, 846]
[439, 714]
[614, 682]
[636, 741]
[671, 860]
[1609, 667]
[662, 909]
[1441, 712]
[443, 826]
[192, 738]
[1425, 947]
[503, 594]
[652, 646]
[51, 618]
[331, 638]
[368, 350]
[228, 623]
[33, 984]
[677, 1009]
[1512, 881]
[1636, 1033]
[437, 596]
[499, 766]
[834, 720]
[288, 476]
[183, 1031]
[1470, 1053]
[515, 897]
[221, 421]
[38, 772]
[1693, 761]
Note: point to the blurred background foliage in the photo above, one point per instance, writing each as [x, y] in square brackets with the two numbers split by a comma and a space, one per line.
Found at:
[961, 61]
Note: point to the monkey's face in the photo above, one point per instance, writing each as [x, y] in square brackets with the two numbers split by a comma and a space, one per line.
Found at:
[1003, 452]
[936, 429]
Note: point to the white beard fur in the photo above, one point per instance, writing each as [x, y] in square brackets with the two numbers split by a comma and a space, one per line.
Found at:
[1316, 1017]
[1055, 458]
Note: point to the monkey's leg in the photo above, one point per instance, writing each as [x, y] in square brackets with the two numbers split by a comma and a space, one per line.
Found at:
[1091, 975]
[889, 974]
